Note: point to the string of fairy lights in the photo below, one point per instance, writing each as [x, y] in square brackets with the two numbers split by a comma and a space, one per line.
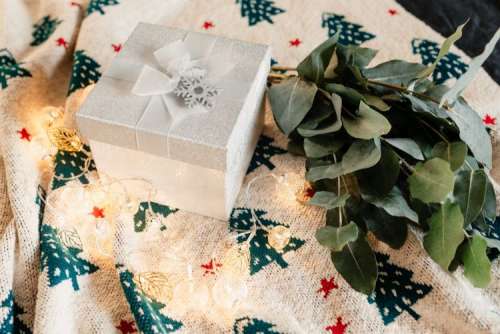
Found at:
[107, 199]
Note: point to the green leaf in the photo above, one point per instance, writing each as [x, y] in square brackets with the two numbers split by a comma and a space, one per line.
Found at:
[394, 72]
[445, 234]
[321, 146]
[350, 95]
[358, 76]
[314, 65]
[356, 55]
[394, 204]
[431, 181]
[367, 124]
[360, 155]
[331, 67]
[445, 48]
[379, 179]
[490, 202]
[406, 145]
[320, 111]
[328, 200]
[335, 238]
[336, 104]
[472, 131]
[291, 100]
[388, 229]
[376, 102]
[426, 107]
[470, 193]
[477, 266]
[454, 153]
[451, 95]
[357, 264]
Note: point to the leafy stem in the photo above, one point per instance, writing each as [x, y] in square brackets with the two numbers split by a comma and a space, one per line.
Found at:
[434, 130]
[340, 208]
[398, 88]
[402, 160]
[344, 109]
[407, 91]
[279, 76]
[282, 68]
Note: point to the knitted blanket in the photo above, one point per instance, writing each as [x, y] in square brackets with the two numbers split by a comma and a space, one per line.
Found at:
[69, 265]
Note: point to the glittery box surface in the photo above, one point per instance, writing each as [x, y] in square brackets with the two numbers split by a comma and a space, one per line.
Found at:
[219, 142]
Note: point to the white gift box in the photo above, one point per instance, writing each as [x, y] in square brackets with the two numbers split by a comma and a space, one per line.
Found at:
[194, 149]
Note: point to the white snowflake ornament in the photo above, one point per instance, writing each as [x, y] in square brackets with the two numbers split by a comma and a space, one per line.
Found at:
[195, 90]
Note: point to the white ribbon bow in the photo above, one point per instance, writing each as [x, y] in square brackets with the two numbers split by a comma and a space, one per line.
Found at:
[187, 85]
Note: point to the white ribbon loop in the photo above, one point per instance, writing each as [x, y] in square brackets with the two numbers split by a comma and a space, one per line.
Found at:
[153, 82]
[187, 82]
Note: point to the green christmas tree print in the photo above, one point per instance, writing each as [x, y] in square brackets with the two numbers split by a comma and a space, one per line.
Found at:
[70, 164]
[85, 71]
[140, 218]
[450, 66]
[98, 6]
[253, 326]
[261, 253]
[9, 68]
[263, 153]
[43, 29]
[395, 292]
[62, 263]
[258, 10]
[350, 33]
[12, 324]
[146, 311]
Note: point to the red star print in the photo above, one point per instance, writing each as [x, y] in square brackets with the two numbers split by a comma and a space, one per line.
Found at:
[24, 134]
[392, 12]
[210, 267]
[488, 120]
[127, 327]
[117, 47]
[327, 285]
[97, 212]
[338, 328]
[62, 42]
[208, 24]
[295, 42]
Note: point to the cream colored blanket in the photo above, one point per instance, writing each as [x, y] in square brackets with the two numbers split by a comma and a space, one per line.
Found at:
[66, 267]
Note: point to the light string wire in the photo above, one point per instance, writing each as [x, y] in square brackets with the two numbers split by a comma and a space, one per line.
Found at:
[151, 193]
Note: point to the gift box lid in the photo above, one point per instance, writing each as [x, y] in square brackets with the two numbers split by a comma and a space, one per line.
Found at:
[160, 122]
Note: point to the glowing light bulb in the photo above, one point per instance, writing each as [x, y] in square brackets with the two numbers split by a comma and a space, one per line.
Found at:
[190, 295]
[229, 291]
[236, 261]
[305, 193]
[279, 237]
[132, 205]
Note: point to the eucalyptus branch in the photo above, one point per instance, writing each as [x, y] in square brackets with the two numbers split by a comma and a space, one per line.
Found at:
[344, 109]
[283, 68]
[429, 181]
[401, 159]
[278, 76]
[373, 83]
[407, 91]
[338, 192]
[434, 130]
